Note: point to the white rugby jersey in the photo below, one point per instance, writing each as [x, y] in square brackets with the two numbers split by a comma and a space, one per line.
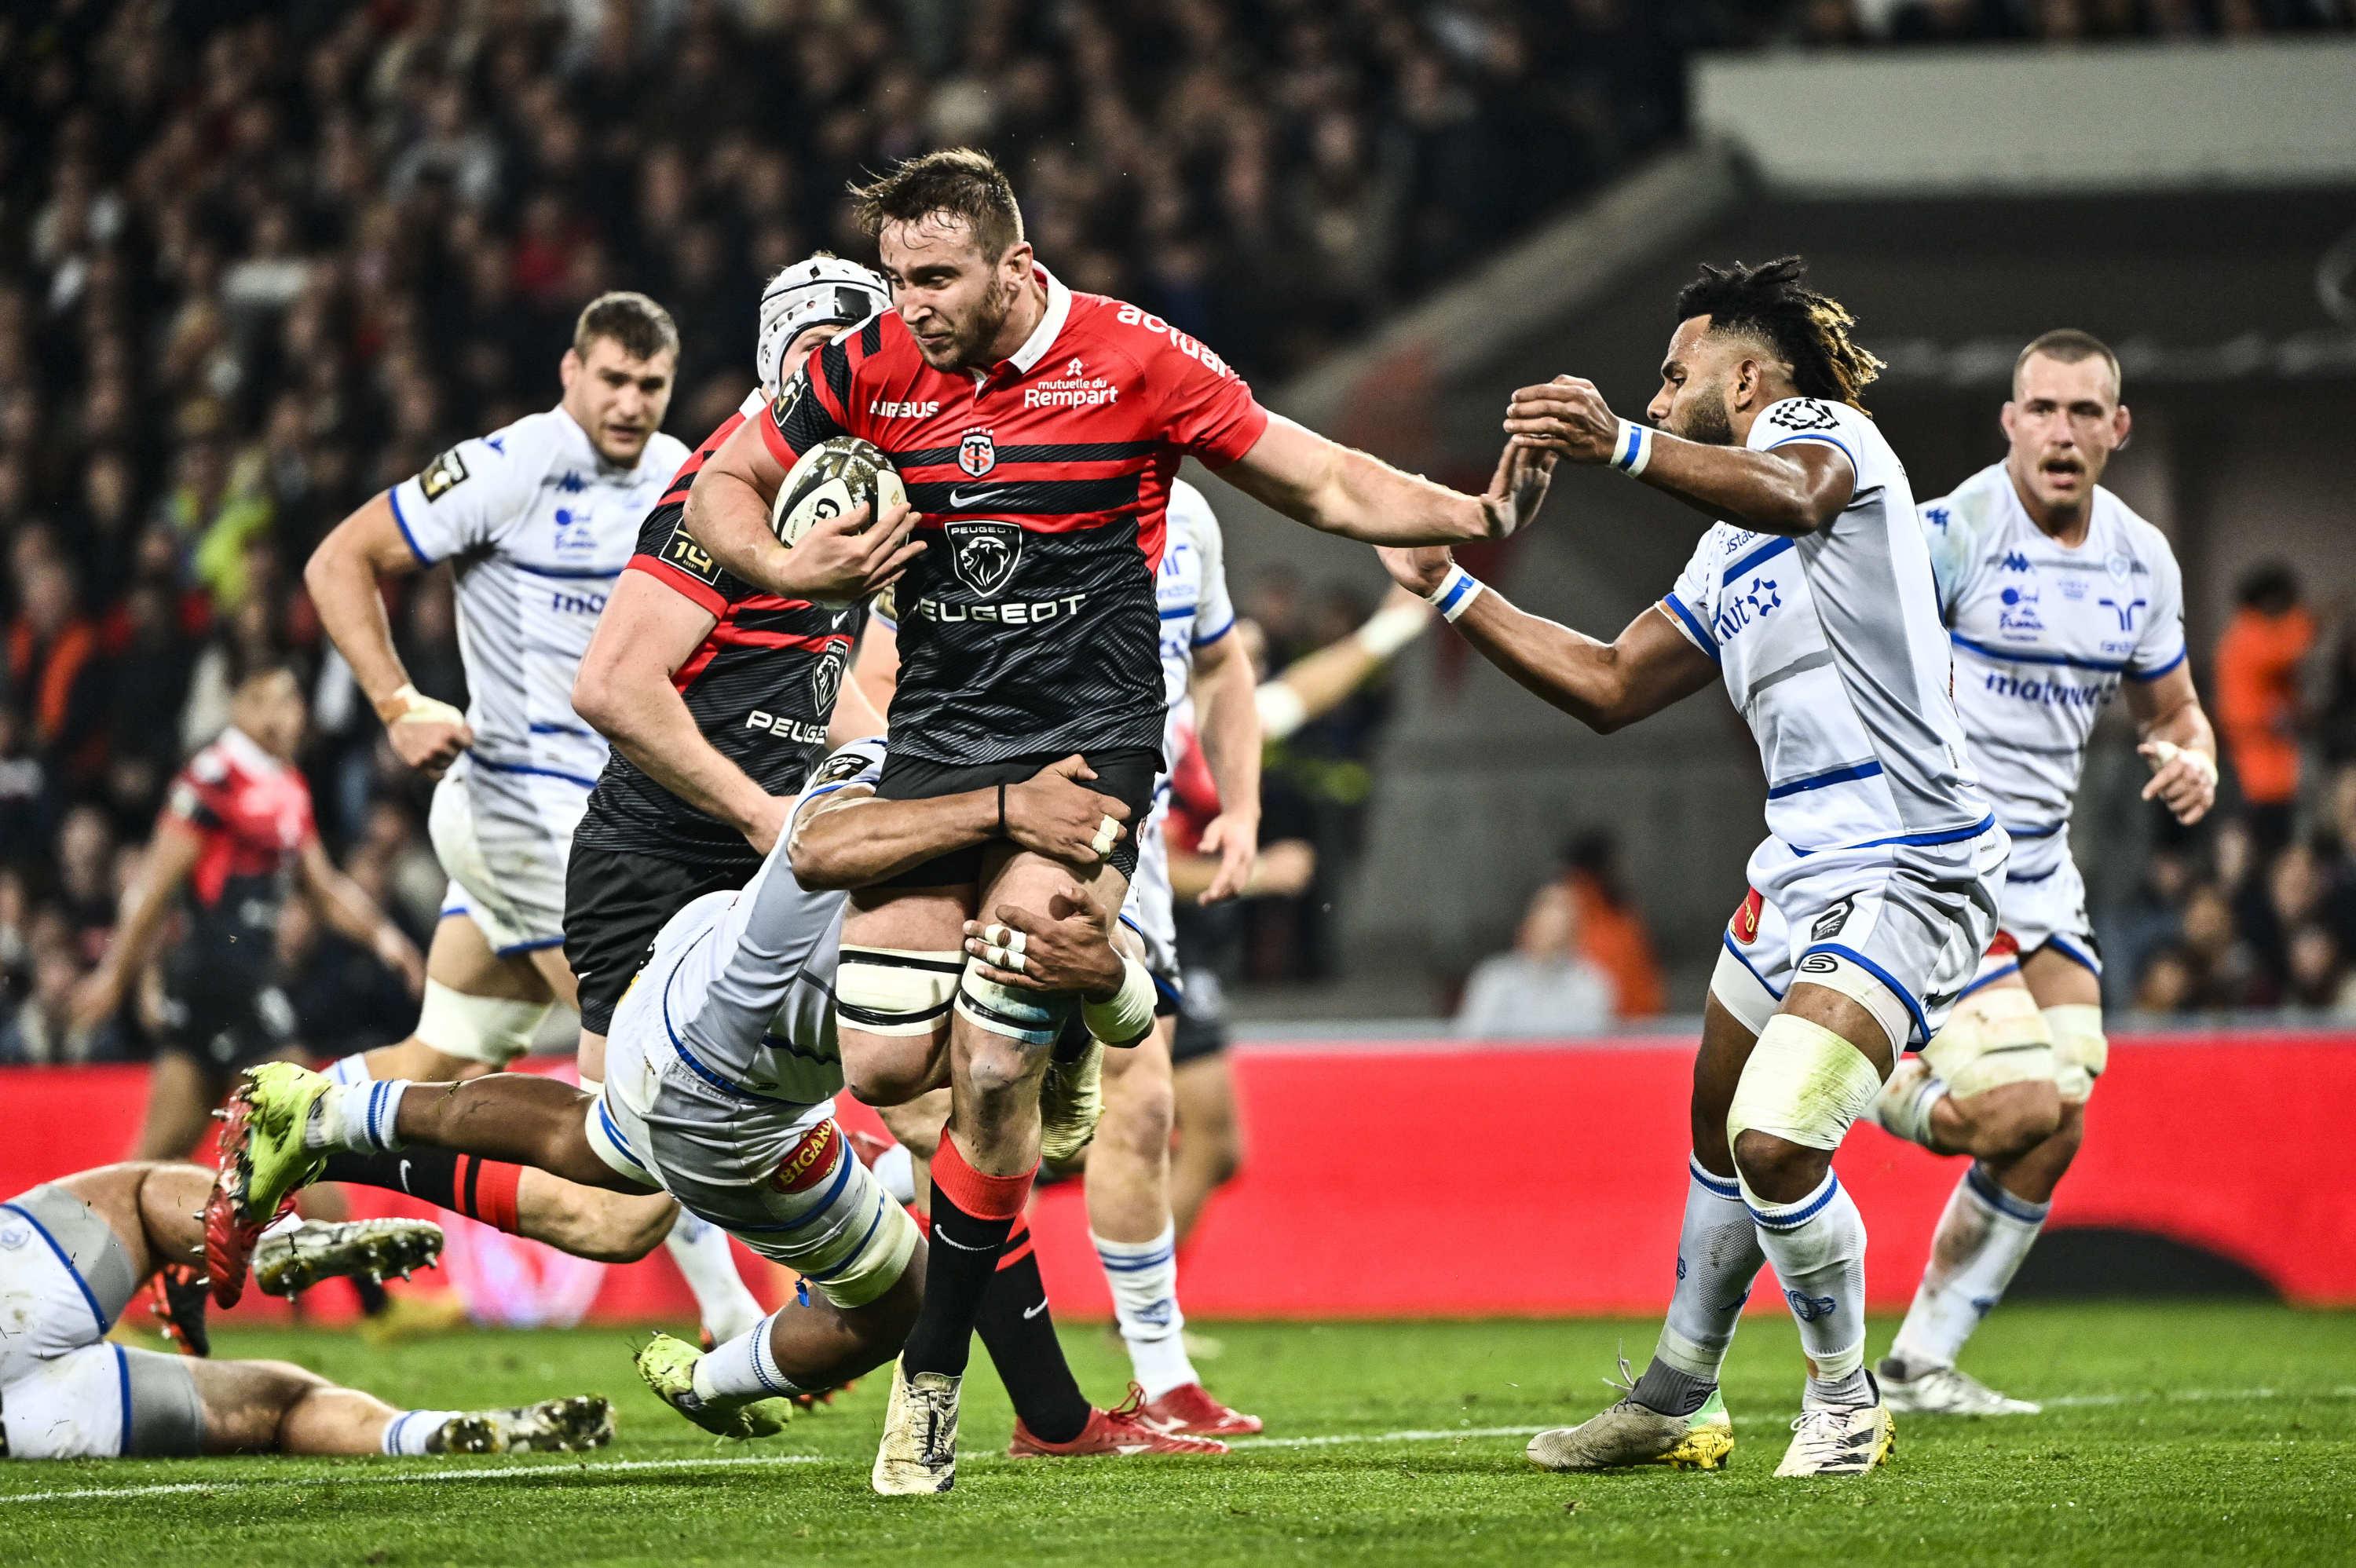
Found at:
[1832, 649]
[2043, 635]
[746, 979]
[536, 527]
[1193, 594]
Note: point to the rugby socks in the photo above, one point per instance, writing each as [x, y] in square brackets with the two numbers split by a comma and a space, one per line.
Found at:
[411, 1431]
[701, 1249]
[1018, 1332]
[1982, 1238]
[347, 1070]
[1718, 1256]
[744, 1368]
[1817, 1245]
[895, 1167]
[1144, 1280]
[972, 1214]
[481, 1190]
[359, 1117]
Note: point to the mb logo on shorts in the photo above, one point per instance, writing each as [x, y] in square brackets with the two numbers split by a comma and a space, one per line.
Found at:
[983, 554]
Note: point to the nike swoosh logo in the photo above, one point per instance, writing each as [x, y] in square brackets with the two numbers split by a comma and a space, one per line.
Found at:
[404, 1176]
[1034, 1311]
[960, 500]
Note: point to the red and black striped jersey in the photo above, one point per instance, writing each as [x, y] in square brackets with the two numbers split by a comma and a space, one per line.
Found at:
[253, 813]
[761, 686]
[1029, 625]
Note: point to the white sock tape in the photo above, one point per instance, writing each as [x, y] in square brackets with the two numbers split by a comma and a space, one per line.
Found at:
[1456, 593]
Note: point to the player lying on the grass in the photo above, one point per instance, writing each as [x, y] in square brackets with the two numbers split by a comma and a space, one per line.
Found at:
[1875, 891]
[73, 1251]
[722, 1068]
[1037, 429]
[2058, 598]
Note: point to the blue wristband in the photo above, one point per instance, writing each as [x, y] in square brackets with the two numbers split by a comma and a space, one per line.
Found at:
[1455, 593]
[1633, 448]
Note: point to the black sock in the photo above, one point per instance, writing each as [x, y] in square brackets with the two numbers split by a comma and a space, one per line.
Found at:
[1018, 1332]
[961, 1260]
[428, 1173]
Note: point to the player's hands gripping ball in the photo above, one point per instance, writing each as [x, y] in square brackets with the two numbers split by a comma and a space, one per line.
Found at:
[842, 514]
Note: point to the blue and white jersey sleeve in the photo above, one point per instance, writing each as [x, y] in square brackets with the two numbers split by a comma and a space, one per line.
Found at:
[859, 762]
[1214, 611]
[2162, 647]
[1796, 420]
[472, 496]
[1690, 604]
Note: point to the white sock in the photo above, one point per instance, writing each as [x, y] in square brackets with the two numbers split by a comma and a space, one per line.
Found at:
[1718, 1257]
[1144, 1280]
[701, 1249]
[409, 1432]
[744, 1368]
[349, 1069]
[360, 1117]
[895, 1167]
[1981, 1241]
[1817, 1246]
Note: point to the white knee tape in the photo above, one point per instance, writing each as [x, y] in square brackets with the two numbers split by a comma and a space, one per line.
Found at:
[1863, 988]
[2080, 1050]
[890, 990]
[1128, 1017]
[494, 1030]
[1996, 1036]
[1034, 1018]
[1803, 1084]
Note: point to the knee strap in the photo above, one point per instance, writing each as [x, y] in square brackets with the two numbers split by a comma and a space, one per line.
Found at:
[1995, 1036]
[1838, 972]
[890, 990]
[494, 1030]
[1803, 1084]
[2080, 1050]
[1032, 1017]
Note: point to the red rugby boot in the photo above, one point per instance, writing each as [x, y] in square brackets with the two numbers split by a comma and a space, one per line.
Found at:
[1189, 1408]
[1123, 1430]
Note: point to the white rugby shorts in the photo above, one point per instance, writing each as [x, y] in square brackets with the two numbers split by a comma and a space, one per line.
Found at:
[503, 838]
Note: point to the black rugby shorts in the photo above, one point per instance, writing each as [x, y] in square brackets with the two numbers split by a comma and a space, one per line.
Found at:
[1126, 772]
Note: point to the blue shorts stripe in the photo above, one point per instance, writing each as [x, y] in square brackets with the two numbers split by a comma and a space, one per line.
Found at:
[1728, 938]
[123, 1388]
[1951, 835]
[65, 1262]
[2085, 961]
[1913, 1008]
[1991, 978]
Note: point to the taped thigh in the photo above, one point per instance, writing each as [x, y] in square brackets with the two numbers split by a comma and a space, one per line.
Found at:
[494, 1030]
[2080, 1050]
[1837, 969]
[825, 1216]
[895, 991]
[1995, 1036]
[1803, 1083]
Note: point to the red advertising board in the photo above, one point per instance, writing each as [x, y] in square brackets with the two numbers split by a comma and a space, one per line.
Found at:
[1413, 1179]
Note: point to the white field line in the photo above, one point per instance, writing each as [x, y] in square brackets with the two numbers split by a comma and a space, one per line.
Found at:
[767, 1461]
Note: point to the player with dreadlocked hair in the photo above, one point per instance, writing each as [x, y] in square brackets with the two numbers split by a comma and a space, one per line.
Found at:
[1875, 891]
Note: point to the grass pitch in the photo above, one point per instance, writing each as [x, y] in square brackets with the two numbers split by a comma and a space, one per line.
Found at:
[2173, 1434]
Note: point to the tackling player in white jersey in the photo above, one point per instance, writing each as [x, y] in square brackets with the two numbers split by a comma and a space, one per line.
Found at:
[2058, 598]
[1874, 893]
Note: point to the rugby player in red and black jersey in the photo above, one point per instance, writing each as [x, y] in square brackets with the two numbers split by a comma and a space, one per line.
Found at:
[235, 832]
[1037, 431]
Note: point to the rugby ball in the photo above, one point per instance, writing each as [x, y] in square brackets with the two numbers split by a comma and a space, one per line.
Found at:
[832, 478]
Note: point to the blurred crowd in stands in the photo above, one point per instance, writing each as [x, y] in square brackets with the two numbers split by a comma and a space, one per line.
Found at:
[260, 259]
[2056, 21]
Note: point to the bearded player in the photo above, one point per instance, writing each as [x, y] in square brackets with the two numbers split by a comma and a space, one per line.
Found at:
[75, 1251]
[1037, 429]
[2058, 599]
[1874, 893]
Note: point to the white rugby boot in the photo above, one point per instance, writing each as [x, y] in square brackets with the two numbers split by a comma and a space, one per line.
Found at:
[919, 1453]
[1943, 1391]
[551, 1427]
[1839, 1440]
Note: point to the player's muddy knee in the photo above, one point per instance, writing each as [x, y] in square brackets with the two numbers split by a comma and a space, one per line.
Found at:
[1777, 1169]
[2007, 1122]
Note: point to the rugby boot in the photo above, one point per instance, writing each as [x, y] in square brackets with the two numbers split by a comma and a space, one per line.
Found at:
[667, 1365]
[551, 1427]
[1190, 1409]
[919, 1453]
[300, 1256]
[1943, 1391]
[1629, 1433]
[1123, 1430]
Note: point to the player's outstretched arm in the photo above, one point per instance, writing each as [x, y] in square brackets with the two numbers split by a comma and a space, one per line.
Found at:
[346, 907]
[1340, 490]
[1605, 686]
[1316, 683]
[342, 576]
[624, 691]
[171, 856]
[840, 559]
[1793, 490]
[2178, 742]
[849, 838]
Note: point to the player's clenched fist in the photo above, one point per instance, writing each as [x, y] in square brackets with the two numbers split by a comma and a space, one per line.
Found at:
[1054, 813]
[426, 733]
[1568, 417]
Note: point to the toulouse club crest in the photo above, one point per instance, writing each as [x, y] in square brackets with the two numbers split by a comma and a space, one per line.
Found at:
[826, 680]
[977, 453]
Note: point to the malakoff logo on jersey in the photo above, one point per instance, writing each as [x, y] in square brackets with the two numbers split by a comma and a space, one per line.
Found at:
[1076, 389]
